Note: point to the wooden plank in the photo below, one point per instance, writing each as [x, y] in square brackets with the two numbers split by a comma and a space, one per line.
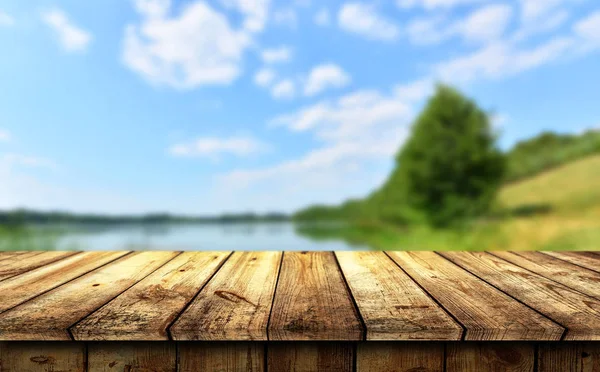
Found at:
[569, 357]
[48, 316]
[490, 356]
[132, 356]
[144, 311]
[579, 313]
[42, 357]
[5, 255]
[221, 356]
[312, 301]
[589, 260]
[22, 263]
[310, 356]
[571, 275]
[486, 313]
[400, 357]
[235, 304]
[392, 305]
[18, 289]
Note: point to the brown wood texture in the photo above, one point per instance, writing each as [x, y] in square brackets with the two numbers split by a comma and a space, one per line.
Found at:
[310, 356]
[573, 276]
[236, 303]
[392, 305]
[490, 357]
[589, 260]
[21, 288]
[577, 312]
[312, 301]
[221, 356]
[42, 357]
[48, 316]
[19, 264]
[486, 313]
[569, 357]
[400, 357]
[146, 310]
[132, 356]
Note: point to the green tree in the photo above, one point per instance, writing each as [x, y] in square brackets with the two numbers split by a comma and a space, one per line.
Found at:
[449, 169]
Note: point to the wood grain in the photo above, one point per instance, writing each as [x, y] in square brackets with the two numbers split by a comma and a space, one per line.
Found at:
[19, 264]
[577, 312]
[42, 357]
[589, 260]
[48, 316]
[132, 356]
[486, 313]
[392, 305]
[144, 311]
[221, 356]
[18, 289]
[489, 357]
[310, 356]
[569, 357]
[312, 301]
[571, 275]
[235, 304]
[400, 357]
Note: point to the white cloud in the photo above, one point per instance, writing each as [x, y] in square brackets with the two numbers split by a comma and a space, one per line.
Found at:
[322, 17]
[71, 37]
[589, 29]
[547, 24]
[285, 89]
[213, 147]
[196, 48]
[363, 19]
[482, 25]
[264, 77]
[5, 135]
[6, 20]
[286, 17]
[434, 4]
[325, 76]
[255, 11]
[533, 10]
[276, 55]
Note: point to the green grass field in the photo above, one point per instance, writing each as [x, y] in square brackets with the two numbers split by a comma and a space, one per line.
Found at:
[555, 210]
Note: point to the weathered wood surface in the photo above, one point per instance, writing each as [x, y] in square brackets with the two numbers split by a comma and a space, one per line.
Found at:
[299, 296]
[132, 356]
[42, 357]
[569, 357]
[221, 356]
[312, 301]
[236, 303]
[400, 357]
[492, 357]
[146, 310]
[392, 305]
[577, 312]
[310, 356]
[486, 313]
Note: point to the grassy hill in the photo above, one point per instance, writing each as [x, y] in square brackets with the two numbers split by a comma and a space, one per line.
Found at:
[558, 209]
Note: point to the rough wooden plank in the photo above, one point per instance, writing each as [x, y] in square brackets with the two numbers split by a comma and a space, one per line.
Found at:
[221, 356]
[589, 260]
[48, 316]
[569, 357]
[490, 357]
[22, 263]
[235, 304]
[486, 313]
[144, 311]
[392, 305]
[400, 357]
[132, 356]
[18, 289]
[579, 313]
[310, 356]
[42, 357]
[571, 275]
[312, 301]
[5, 255]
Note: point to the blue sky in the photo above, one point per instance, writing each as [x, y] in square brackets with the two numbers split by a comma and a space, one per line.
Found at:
[203, 107]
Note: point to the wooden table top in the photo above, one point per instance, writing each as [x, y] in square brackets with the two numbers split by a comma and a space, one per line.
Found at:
[258, 296]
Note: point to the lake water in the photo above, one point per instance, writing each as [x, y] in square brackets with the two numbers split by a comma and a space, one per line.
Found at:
[240, 237]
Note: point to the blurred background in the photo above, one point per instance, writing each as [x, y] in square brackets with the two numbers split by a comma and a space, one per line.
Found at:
[300, 125]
